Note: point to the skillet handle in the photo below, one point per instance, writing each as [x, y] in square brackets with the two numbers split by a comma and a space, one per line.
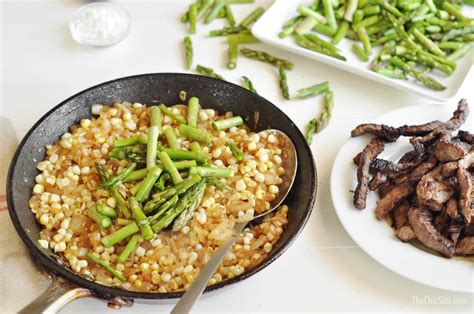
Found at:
[55, 297]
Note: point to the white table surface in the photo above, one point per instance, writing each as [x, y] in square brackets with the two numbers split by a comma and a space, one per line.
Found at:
[323, 271]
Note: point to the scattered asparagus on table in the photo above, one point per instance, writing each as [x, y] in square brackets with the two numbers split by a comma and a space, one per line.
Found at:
[283, 81]
[266, 57]
[208, 72]
[188, 44]
[317, 124]
[247, 83]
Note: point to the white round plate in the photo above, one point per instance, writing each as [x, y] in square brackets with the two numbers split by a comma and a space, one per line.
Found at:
[376, 237]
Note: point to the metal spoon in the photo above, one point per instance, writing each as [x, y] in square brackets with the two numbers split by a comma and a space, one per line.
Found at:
[289, 163]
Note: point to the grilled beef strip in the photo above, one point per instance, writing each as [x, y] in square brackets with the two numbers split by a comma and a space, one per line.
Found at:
[447, 149]
[421, 220]
[403, 189]
[388, 133]
[372, 150]
[377, 180]
[458, 119]
[432, 191]
[452, 208]
[400, 214]
[465, 246]
[465, 187]
[466, 137]
[405, 233]
[391, 134]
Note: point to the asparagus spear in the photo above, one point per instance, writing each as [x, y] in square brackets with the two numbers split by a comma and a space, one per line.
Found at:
[420, 77]
[252, 17]
[179, 154]
[229, 31]
[167, 111]
[227, 123]
[119, 235]
[211, 172]
[124, 142]
[206, 4]
[265, 57]
[313, 90]
[316, 125]
[192, 15]
[188, 44]
[208, 72]
[123, 221]
[229, 15]
[102, 220]
[118, 178]
[308, 44]
[248, 84]
[171, 138]
[218, 5]
[147, 184]
[169, 166]
[153, 133]
[141, 219]
[242, 38]
[193, 108]
[183, 218]
[106, 210]
[233, 53]
[106, 266]
[195, 134]
[160, 183]
[283, 81]
[104, 176]
[238, 154]
[127, 250]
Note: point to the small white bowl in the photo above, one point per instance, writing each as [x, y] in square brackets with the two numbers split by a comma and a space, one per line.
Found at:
[100, 24]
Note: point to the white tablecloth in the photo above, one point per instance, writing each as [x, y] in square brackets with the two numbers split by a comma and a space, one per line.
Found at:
[323, 271]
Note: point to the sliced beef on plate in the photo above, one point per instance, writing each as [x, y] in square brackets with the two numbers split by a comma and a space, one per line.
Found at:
[421, 220]
[465, 187]
[372, 150]
[466, 137]
[448, 149]
[465, 246]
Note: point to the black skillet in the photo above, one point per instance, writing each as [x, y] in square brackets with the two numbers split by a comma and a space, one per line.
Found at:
[147, 89]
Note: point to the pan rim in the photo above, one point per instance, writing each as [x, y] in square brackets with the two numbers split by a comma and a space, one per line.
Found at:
[107, 292]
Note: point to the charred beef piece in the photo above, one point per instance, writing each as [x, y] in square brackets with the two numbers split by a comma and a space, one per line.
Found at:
[390, 200]
[377, 180]
[452, 208]
[465, 187]
[465, 246]
[405, 233]
[421, 222]
[466, 137]
[383, 131]
[372, 150]
[403, 190]
[449, 150]
[432, 191]
[400, 214]
[391, 134]
[458, 119]
[442, 222]
[455, 228]
[377, 164]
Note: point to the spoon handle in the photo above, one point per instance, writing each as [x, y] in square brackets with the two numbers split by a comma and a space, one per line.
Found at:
[187, 301]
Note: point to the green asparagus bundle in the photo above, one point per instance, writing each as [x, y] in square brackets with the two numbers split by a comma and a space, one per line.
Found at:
[425, 34]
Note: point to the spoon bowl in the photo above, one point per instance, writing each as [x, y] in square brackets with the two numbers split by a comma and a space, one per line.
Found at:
[290, 164]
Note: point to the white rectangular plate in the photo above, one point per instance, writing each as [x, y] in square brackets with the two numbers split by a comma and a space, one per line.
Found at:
[270, 24]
